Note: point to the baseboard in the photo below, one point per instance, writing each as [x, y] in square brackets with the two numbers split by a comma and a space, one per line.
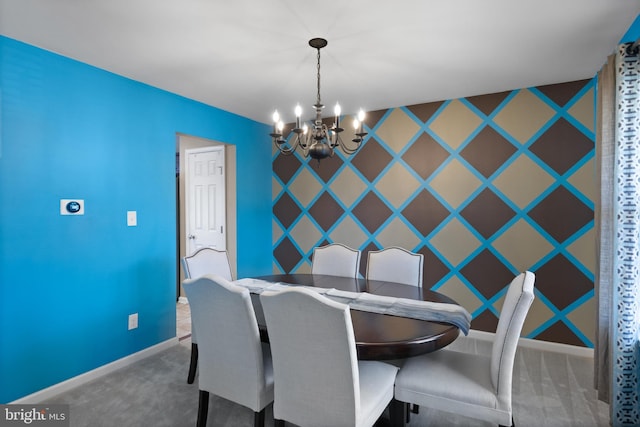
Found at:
[67, 385]
[571, 350]
[183, 300]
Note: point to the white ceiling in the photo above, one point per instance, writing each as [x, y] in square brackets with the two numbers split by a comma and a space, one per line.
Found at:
[251, 57]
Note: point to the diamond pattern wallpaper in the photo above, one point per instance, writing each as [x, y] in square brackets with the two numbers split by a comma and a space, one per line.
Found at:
[485, 187]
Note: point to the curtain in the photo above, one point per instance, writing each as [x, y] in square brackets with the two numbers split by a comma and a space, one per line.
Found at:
[618, 237]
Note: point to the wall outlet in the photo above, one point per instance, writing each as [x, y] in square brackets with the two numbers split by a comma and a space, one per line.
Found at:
[133, 321]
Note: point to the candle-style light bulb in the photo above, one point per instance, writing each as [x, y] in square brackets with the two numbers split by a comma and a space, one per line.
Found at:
[276, 119]
[280, 125]
[305, 129]
[298, 111]
[337, 110]
[356, 124]
[361, 119]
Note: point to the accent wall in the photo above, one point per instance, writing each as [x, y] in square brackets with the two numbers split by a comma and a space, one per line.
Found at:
[71, 131]
[485, 187]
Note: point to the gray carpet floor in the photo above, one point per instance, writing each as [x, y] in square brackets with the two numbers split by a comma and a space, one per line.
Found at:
[550, 389]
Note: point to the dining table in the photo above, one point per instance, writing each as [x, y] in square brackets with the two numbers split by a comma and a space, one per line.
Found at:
[378, 336]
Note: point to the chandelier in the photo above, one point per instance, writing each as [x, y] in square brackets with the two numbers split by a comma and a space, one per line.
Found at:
[318, 141]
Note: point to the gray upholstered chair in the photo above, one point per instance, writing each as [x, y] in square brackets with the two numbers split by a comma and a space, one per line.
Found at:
[234, 363]
[336, 259]
[318, 378]
[472, 385]
[395, 264]
[203, 261]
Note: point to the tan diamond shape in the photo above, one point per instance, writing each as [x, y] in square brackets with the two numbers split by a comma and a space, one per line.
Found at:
[455, 242]
[455, 123]
[349, 233]
[523, 181]
[524, 115]
[454, 288]
[348, 187]
[583, 110]
[276, 188]
[455, 183]
[305, 187]
[397, 130]
[276, 231]
[584, 318]
[397, 185]
[522, 245]
[305, 234]
[396, 233]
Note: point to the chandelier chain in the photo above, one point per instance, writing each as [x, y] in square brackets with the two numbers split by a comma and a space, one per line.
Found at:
[318, 96]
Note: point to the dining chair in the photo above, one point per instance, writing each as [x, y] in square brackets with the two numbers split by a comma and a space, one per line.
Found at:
[234, 363]
[395, 264]
[318, 378]
[472, 385]
[203, 261]
[335, 259]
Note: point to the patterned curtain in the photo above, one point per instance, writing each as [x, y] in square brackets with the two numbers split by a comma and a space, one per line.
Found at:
[618, 241]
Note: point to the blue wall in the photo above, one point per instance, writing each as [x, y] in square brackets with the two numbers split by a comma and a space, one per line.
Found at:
[69, 130]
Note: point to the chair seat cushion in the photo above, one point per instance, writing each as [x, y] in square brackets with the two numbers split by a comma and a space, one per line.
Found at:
[451, 381]
[376, 389]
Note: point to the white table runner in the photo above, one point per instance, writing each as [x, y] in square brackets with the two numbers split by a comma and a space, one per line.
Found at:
[453, 314]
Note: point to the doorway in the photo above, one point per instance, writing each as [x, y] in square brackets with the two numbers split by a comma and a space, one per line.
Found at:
[183, 144]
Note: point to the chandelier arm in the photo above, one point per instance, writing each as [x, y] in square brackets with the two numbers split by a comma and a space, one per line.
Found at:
[347, 149]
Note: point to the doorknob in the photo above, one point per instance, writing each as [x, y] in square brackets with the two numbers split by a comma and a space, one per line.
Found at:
[191, 236]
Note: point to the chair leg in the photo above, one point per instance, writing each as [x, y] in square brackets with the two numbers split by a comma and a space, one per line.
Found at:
[258, 419]
[397, 413]
[407, 411]
[415, 409]
[203, 409]
[278, 423]
[194, 363]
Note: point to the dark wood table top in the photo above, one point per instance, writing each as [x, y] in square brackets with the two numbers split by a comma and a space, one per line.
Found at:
[380, 336]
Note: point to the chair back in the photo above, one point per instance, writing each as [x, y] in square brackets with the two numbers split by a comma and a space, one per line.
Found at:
[315, 363]
[207, 261]
[230, 352]
[336, 259]
[512, 316]
[395, 264]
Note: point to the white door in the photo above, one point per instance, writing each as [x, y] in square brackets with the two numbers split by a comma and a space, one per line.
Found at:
[205, 199]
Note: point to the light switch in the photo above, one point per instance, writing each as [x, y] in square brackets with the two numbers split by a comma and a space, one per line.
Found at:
[132, 218]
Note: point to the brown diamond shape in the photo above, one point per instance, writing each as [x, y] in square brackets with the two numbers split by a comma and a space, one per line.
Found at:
[562, 146]
[562, 93]
[285, 167]
[287, 255]
[371, 159]
[559, 332]
[488, 103]
[326, 211]
[487, 213]
[425, 111]
[425, 212]
[286, 210]
[425, 155]
[371, 212]
[561, 214]
[434, 269]
[561, 282]
[487, 151]
[326, 168]
[372, 118]
[487, 274]
[485, 321]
